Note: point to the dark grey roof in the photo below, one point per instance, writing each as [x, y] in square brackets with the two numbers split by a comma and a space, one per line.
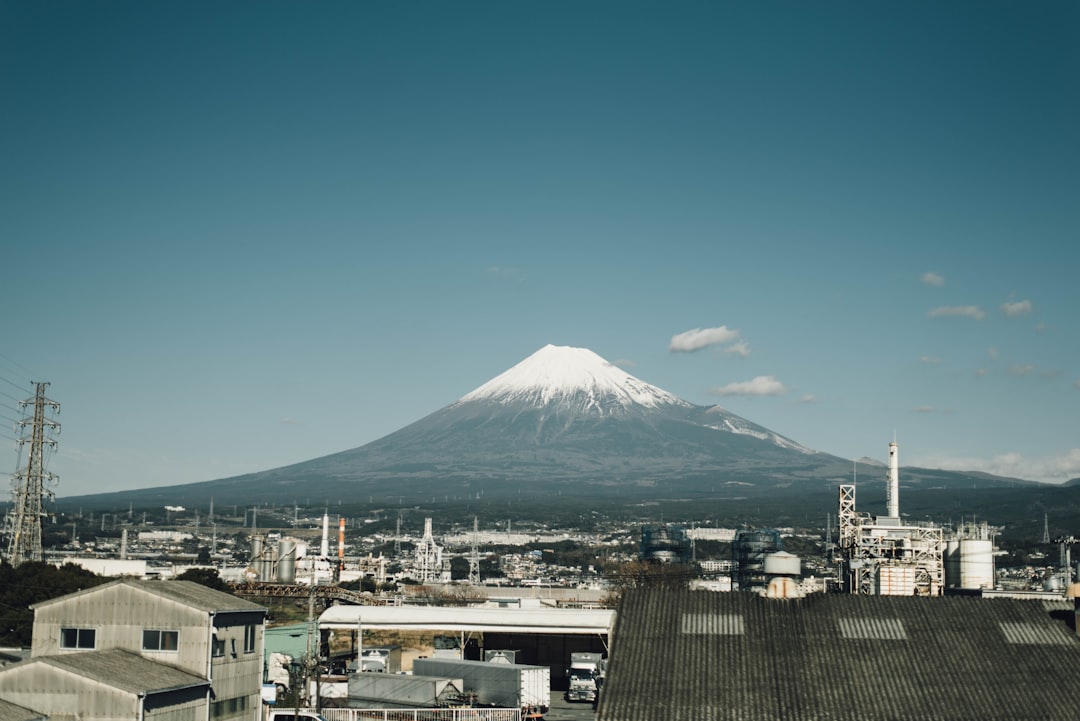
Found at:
[187, 592]
[12, 712]
[124, 670]
[681, 656]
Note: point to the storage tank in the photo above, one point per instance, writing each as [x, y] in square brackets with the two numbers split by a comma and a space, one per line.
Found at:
[782, 563]
[748, 555]
[286, 570]
[976, 563]
[951, 559]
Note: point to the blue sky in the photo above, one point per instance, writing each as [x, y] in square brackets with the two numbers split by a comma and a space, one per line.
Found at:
[241, 235]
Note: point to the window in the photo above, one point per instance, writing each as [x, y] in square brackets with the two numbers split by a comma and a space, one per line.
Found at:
[218, 647]
[78, 638]
[160, 640]
[249, 638]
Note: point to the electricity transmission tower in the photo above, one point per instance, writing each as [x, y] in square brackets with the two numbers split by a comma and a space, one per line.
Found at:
[474, 555]
[31, 483]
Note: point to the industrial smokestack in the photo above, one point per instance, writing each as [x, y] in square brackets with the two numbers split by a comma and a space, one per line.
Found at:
[324, 551]
[893, 497]
[341, 544]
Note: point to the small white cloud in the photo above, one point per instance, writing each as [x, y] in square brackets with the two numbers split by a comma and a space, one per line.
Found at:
[741, 349]
[961, 311]
[699, 338]
[760, 386]
[1014, 310]
[1040, 327]
[291, 422]
[623, 363]
[980, 372]
[929, 359]
[932, 278]
[1050, 374]
[926, 409]
[1022, 369]
[808, 398]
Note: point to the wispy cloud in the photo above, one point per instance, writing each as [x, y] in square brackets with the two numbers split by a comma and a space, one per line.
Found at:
[1076, 384]
[1017, 309]
[961, 311]
[623, 363]
[1021, 369]
[926, 409]
[698, 338]
[1052, 469]
[809, 398]
[760, 386]
[513, 274]
[932, 278]
[929, 359]
[992, 352]
[741, 349]
[291, 422]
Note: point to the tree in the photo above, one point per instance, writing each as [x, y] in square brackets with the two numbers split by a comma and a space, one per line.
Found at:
[208, 577]
[31, 583]
[644, 574]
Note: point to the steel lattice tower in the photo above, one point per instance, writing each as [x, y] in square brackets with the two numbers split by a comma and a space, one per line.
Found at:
[31, 483]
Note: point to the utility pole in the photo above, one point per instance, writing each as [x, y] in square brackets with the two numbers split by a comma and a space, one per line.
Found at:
[31, 481]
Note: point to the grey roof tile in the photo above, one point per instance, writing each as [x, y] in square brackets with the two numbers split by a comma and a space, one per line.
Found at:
[837, 657]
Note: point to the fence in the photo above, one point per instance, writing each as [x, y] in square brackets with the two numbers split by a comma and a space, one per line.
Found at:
[422, 714]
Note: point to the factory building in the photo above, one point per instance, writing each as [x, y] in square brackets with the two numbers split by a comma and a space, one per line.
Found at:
[745, 657]
[883, 555]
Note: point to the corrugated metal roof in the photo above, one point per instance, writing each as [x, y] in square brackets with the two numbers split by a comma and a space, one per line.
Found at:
[520, 620]
[187, 592]
[124, 670]
[838, 658]
[14, 712]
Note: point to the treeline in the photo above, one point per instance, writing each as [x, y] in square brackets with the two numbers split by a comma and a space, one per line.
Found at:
[31, 583]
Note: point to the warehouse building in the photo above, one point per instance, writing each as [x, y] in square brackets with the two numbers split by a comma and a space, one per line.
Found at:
[164, 650]
[740, 656]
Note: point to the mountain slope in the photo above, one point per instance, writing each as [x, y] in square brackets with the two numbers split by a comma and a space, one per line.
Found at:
[562, 421]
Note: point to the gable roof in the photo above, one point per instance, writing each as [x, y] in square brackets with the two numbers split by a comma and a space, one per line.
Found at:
[188, 593]
[703, 655]
[120, 669]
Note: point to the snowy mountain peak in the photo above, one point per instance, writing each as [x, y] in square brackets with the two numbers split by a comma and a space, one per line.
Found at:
[561, 373]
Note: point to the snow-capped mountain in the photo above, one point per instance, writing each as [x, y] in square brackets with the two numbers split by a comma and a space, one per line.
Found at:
[571, 376]
[562, 422]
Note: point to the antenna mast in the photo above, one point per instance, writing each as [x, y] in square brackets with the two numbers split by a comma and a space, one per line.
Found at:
[30, 482]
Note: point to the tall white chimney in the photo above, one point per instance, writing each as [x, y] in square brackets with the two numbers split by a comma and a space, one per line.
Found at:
[893, 496]
[324, 551]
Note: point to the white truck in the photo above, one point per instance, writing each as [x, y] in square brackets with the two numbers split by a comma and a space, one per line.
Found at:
[494, 684]
[585, 672]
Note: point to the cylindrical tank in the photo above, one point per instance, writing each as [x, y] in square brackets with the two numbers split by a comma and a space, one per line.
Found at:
[286, 569]
[256, 548]
[782, 563]
[952, 563]
[976, 563]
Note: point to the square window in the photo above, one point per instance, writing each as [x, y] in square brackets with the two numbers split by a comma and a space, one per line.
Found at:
[81, 638]
[160, 640]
